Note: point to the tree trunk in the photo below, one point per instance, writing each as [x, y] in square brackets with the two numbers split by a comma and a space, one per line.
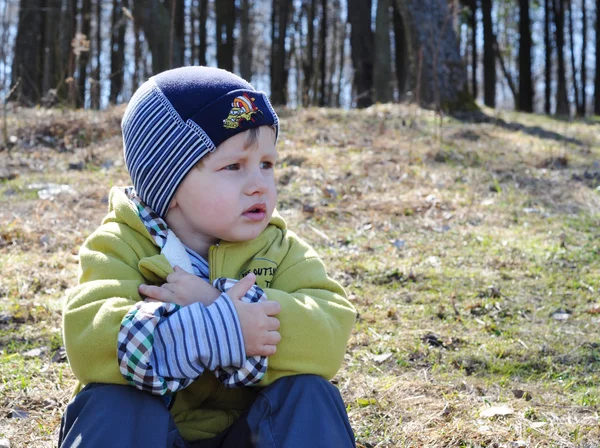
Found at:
[323, 53]
[562, 103]
[583, 109]
[179, 24]
[597, 76]
[51, 46]
[440, 78]
[156, 24]
[27, 67]
[279, 20]
[525, 84]
[117, 50]
[225, 23]
[203, 19]
[401, 46]
[84, 56]
[382, 76]
[362, 43]
[548, 56]
[474, 48]
[573, 65]
[489, 59]
[137, 53]
[335, 48]
[309, 63]
[245, 47]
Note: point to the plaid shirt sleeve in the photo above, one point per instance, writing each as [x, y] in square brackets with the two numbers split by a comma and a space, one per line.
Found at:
[163, 347]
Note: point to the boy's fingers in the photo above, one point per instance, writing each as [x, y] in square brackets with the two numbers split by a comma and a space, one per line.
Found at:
[237, 291]
[271, 308]
[155, 292]
[272, 324]
[268, 350]
[273, 338]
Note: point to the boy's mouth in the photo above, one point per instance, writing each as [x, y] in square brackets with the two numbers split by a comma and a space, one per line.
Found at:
[257, 212]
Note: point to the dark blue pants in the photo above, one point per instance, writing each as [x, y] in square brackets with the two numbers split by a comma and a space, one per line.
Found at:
[297, 411]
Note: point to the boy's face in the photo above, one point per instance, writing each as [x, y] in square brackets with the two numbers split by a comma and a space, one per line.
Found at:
[230, 196]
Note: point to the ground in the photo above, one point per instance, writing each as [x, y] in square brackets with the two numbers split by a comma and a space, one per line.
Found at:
[469, 245]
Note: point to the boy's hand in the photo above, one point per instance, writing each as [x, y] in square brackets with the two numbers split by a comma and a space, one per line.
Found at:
[183, 289]
[258, 326]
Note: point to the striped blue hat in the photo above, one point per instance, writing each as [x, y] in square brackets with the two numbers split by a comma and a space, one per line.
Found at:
[177, 117]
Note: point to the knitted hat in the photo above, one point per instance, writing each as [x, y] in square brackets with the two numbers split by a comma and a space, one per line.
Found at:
[177, 117]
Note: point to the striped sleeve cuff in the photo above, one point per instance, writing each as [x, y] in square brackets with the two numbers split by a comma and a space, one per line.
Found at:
[199, 338]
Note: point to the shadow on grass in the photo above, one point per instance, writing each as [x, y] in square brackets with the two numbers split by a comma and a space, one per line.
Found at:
[535, 131]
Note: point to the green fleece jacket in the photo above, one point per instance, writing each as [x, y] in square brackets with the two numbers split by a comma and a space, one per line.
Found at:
[316, 318]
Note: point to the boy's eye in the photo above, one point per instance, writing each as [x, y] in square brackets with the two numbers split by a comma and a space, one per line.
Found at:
[266, 165]
[232, 167]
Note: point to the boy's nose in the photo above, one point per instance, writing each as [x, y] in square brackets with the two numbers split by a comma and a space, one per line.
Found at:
[257, 183]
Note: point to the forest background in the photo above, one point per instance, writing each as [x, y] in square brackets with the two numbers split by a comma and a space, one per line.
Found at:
[443, 157]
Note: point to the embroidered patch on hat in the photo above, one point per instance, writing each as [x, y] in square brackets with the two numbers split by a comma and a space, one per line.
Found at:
[242, 109]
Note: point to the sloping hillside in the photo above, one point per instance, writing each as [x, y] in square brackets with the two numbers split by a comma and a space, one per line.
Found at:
[471, 250]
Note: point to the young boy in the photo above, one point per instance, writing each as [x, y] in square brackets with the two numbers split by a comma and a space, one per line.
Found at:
[159, 305]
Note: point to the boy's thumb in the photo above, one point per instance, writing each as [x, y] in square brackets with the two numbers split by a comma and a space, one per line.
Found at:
[239, 290]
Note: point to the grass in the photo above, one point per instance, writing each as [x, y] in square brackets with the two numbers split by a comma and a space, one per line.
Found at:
[471, 250]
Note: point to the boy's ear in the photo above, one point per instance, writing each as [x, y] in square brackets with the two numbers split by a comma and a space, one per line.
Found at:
[173, 203]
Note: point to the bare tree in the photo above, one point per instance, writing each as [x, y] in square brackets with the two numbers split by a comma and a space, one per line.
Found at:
[573, 65]
[117, 49]
[382, 76]
[489, 58]
[597, 76]
[245, 46]
[548, 56]
[401, 57]
[84, 56]
[525, 102]
[280, 14]
[562, 103]
[440, 77]
[27, 67]
[323, 53]
[362, 43]
[225, 23]
[473, 22]
[581, 112]
[155, 21]
[309, 58]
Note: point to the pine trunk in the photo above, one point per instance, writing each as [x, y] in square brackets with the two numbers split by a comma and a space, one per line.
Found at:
[27, 67]
[489, 59]
[308, 66]
[117, 51]
[573, 65]
[583, 109]
[323, 53]
[279, 21]
[84, 56]
[597, 76]
[474, 48]
[225, 23]
[362, 43]
[548, 56]
[382, 76]
[203, 19]
[525, 84]
[440, 77]
[401, 46]
[155, 20]
[562, 103]
[245, 47]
